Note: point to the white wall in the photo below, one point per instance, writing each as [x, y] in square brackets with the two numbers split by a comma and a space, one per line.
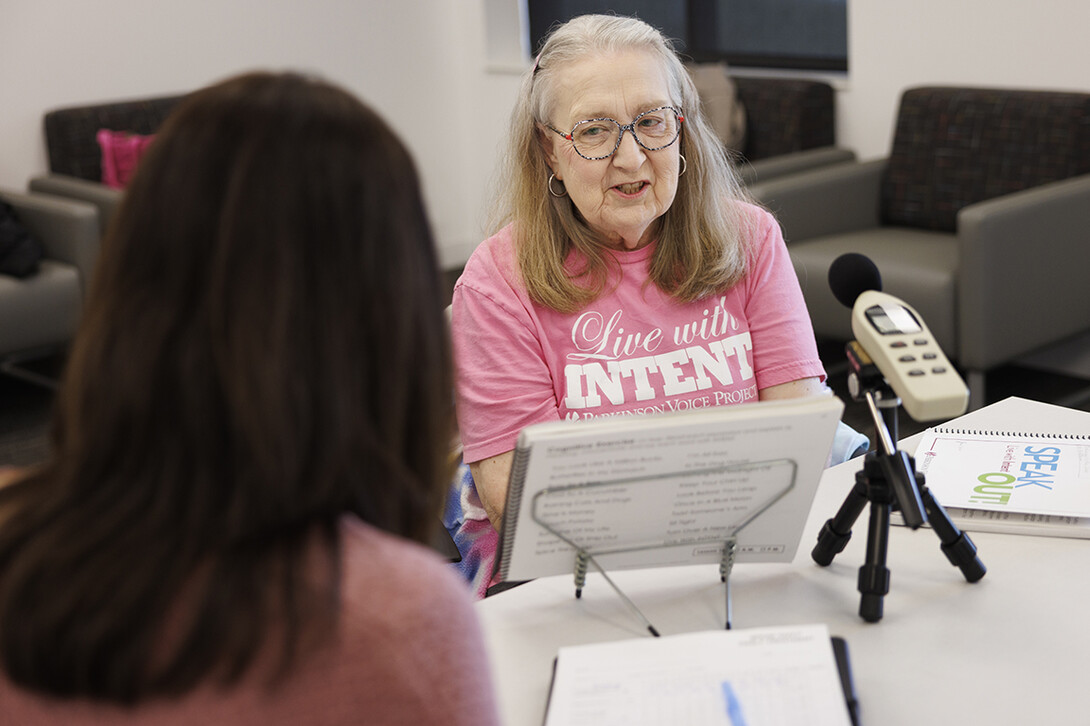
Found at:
[420, 63]
[896, 45]
[430, 68]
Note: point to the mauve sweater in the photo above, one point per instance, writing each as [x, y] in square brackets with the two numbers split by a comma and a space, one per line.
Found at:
[408, 651]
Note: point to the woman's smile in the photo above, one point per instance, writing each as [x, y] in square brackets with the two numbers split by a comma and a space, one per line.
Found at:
[632, 189]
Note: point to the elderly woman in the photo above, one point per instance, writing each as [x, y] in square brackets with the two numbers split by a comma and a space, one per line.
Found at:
[631, 276]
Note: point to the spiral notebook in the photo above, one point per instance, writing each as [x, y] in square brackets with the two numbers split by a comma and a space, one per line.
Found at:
[1032, 478]
[773, 675]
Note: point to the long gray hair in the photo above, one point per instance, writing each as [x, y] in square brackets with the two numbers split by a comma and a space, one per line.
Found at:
[701, 247]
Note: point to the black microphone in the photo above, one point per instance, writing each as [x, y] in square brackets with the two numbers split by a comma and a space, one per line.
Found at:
[897, 340]
[851, 275]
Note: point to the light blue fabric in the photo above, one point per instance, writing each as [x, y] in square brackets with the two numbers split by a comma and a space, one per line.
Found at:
[847, 444]
[473, 535]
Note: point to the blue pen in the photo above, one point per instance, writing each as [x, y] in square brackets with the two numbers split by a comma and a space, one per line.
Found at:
[734, 706]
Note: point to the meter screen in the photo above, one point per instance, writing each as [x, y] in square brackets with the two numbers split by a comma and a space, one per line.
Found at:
[892, 319]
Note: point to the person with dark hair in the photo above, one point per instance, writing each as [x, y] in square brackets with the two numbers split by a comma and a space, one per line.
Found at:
[629, 273]
[251, 443]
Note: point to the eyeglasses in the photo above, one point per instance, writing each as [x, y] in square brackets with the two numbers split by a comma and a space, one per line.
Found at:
[599, 138]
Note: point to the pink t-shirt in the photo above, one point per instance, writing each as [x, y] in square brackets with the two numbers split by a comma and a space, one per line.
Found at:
[634, 350]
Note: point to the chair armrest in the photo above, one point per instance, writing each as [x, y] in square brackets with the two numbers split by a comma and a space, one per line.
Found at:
[777, 166]
[1022, 275]
[830, 200]
[105, 199]
[66, 228]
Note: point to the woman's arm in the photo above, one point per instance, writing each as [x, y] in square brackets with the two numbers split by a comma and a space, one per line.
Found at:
[491, 477]
[504, 383]
[847, 442]
[795, 389]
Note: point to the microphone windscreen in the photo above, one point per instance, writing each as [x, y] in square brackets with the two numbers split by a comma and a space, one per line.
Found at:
[851, 275]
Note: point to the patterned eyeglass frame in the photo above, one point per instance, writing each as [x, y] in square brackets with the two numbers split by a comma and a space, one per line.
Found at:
[625, 127]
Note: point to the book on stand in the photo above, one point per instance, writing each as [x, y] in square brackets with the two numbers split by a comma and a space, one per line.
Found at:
[665, 489]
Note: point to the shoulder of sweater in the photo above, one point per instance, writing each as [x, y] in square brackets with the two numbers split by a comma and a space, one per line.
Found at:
[379, 565]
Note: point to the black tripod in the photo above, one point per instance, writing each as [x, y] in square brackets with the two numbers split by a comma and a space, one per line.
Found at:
[888, 481]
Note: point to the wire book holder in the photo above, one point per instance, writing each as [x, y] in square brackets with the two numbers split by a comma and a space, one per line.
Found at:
[629, 515]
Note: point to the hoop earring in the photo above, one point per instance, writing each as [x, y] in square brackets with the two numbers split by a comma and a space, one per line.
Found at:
[550, 185]
[684, 165]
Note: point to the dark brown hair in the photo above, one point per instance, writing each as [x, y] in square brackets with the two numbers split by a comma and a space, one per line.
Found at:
[263, 350]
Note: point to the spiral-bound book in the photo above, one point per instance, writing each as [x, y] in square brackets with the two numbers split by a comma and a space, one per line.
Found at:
[1029, 478]
[665, 489]
[771, 675]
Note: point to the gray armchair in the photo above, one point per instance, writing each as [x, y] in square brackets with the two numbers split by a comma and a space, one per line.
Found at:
[39, 314]
[75, 168]
[978, 219]
[790, 127]
[772, 126]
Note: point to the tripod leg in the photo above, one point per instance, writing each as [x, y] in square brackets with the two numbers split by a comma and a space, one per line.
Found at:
[956, 545]
[836, 532]
[874, 575]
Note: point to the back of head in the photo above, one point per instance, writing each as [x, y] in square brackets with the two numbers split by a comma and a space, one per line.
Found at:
[263, 350]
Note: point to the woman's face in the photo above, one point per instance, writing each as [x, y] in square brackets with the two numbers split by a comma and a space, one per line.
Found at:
[623, 196]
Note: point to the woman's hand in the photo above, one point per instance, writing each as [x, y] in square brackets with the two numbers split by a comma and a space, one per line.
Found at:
[491, 477]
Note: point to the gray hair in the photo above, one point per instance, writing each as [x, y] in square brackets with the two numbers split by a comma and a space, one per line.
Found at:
[701, 247]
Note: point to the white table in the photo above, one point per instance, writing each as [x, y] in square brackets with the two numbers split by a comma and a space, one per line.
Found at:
[1009, 649]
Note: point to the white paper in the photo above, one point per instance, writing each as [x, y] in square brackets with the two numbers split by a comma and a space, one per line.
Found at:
[1040, 525]
[754, 677]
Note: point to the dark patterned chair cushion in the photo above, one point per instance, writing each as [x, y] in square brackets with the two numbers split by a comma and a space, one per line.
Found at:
[20, 252]
[785, 115]
[70, 132]
[955, 146]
